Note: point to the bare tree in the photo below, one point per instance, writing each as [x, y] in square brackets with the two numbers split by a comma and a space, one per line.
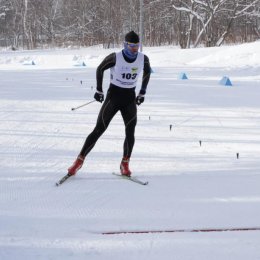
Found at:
[33, 23]
[235, 10]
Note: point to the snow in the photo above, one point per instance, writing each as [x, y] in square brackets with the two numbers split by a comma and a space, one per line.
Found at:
[203, 173]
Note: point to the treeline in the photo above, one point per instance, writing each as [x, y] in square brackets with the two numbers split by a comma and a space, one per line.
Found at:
[190, 23]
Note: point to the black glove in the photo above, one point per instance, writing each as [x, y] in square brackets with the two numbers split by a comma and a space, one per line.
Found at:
[139, 99]
[99, 96]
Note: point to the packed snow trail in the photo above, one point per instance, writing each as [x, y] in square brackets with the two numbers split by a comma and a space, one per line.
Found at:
[196, 180]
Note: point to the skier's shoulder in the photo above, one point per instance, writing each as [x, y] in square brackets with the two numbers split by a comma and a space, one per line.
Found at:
[111, 57]
[108, 62]
[146, 59]
[147, 66]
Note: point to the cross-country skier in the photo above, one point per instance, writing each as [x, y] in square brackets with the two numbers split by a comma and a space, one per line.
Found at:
[125, 68]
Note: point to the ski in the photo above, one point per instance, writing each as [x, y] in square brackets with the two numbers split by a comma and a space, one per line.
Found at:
[133, 179]
[63, 179]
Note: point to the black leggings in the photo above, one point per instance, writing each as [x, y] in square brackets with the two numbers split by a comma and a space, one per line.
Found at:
[117, 99]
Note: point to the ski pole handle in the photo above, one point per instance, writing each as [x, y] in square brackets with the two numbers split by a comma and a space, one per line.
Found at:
[75, 108]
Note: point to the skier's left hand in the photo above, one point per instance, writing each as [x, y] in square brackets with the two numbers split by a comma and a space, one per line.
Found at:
[139, 99]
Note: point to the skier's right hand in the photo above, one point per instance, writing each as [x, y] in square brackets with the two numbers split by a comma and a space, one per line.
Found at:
[99, 96]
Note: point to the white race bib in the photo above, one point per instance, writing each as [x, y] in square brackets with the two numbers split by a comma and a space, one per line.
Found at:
[124, 74]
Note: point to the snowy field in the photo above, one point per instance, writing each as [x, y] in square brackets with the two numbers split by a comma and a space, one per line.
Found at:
[203, 173]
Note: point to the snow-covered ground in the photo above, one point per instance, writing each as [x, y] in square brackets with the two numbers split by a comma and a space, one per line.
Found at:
[203, 173]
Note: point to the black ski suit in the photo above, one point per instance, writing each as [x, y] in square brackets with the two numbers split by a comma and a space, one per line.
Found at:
[117, 99]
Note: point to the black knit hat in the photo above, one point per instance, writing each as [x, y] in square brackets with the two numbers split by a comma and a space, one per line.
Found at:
[132, 37]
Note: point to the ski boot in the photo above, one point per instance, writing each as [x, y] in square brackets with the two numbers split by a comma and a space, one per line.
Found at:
[124, 167]
[76, 165]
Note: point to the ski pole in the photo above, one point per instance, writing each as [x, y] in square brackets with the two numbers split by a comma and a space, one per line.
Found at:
[74, 108]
